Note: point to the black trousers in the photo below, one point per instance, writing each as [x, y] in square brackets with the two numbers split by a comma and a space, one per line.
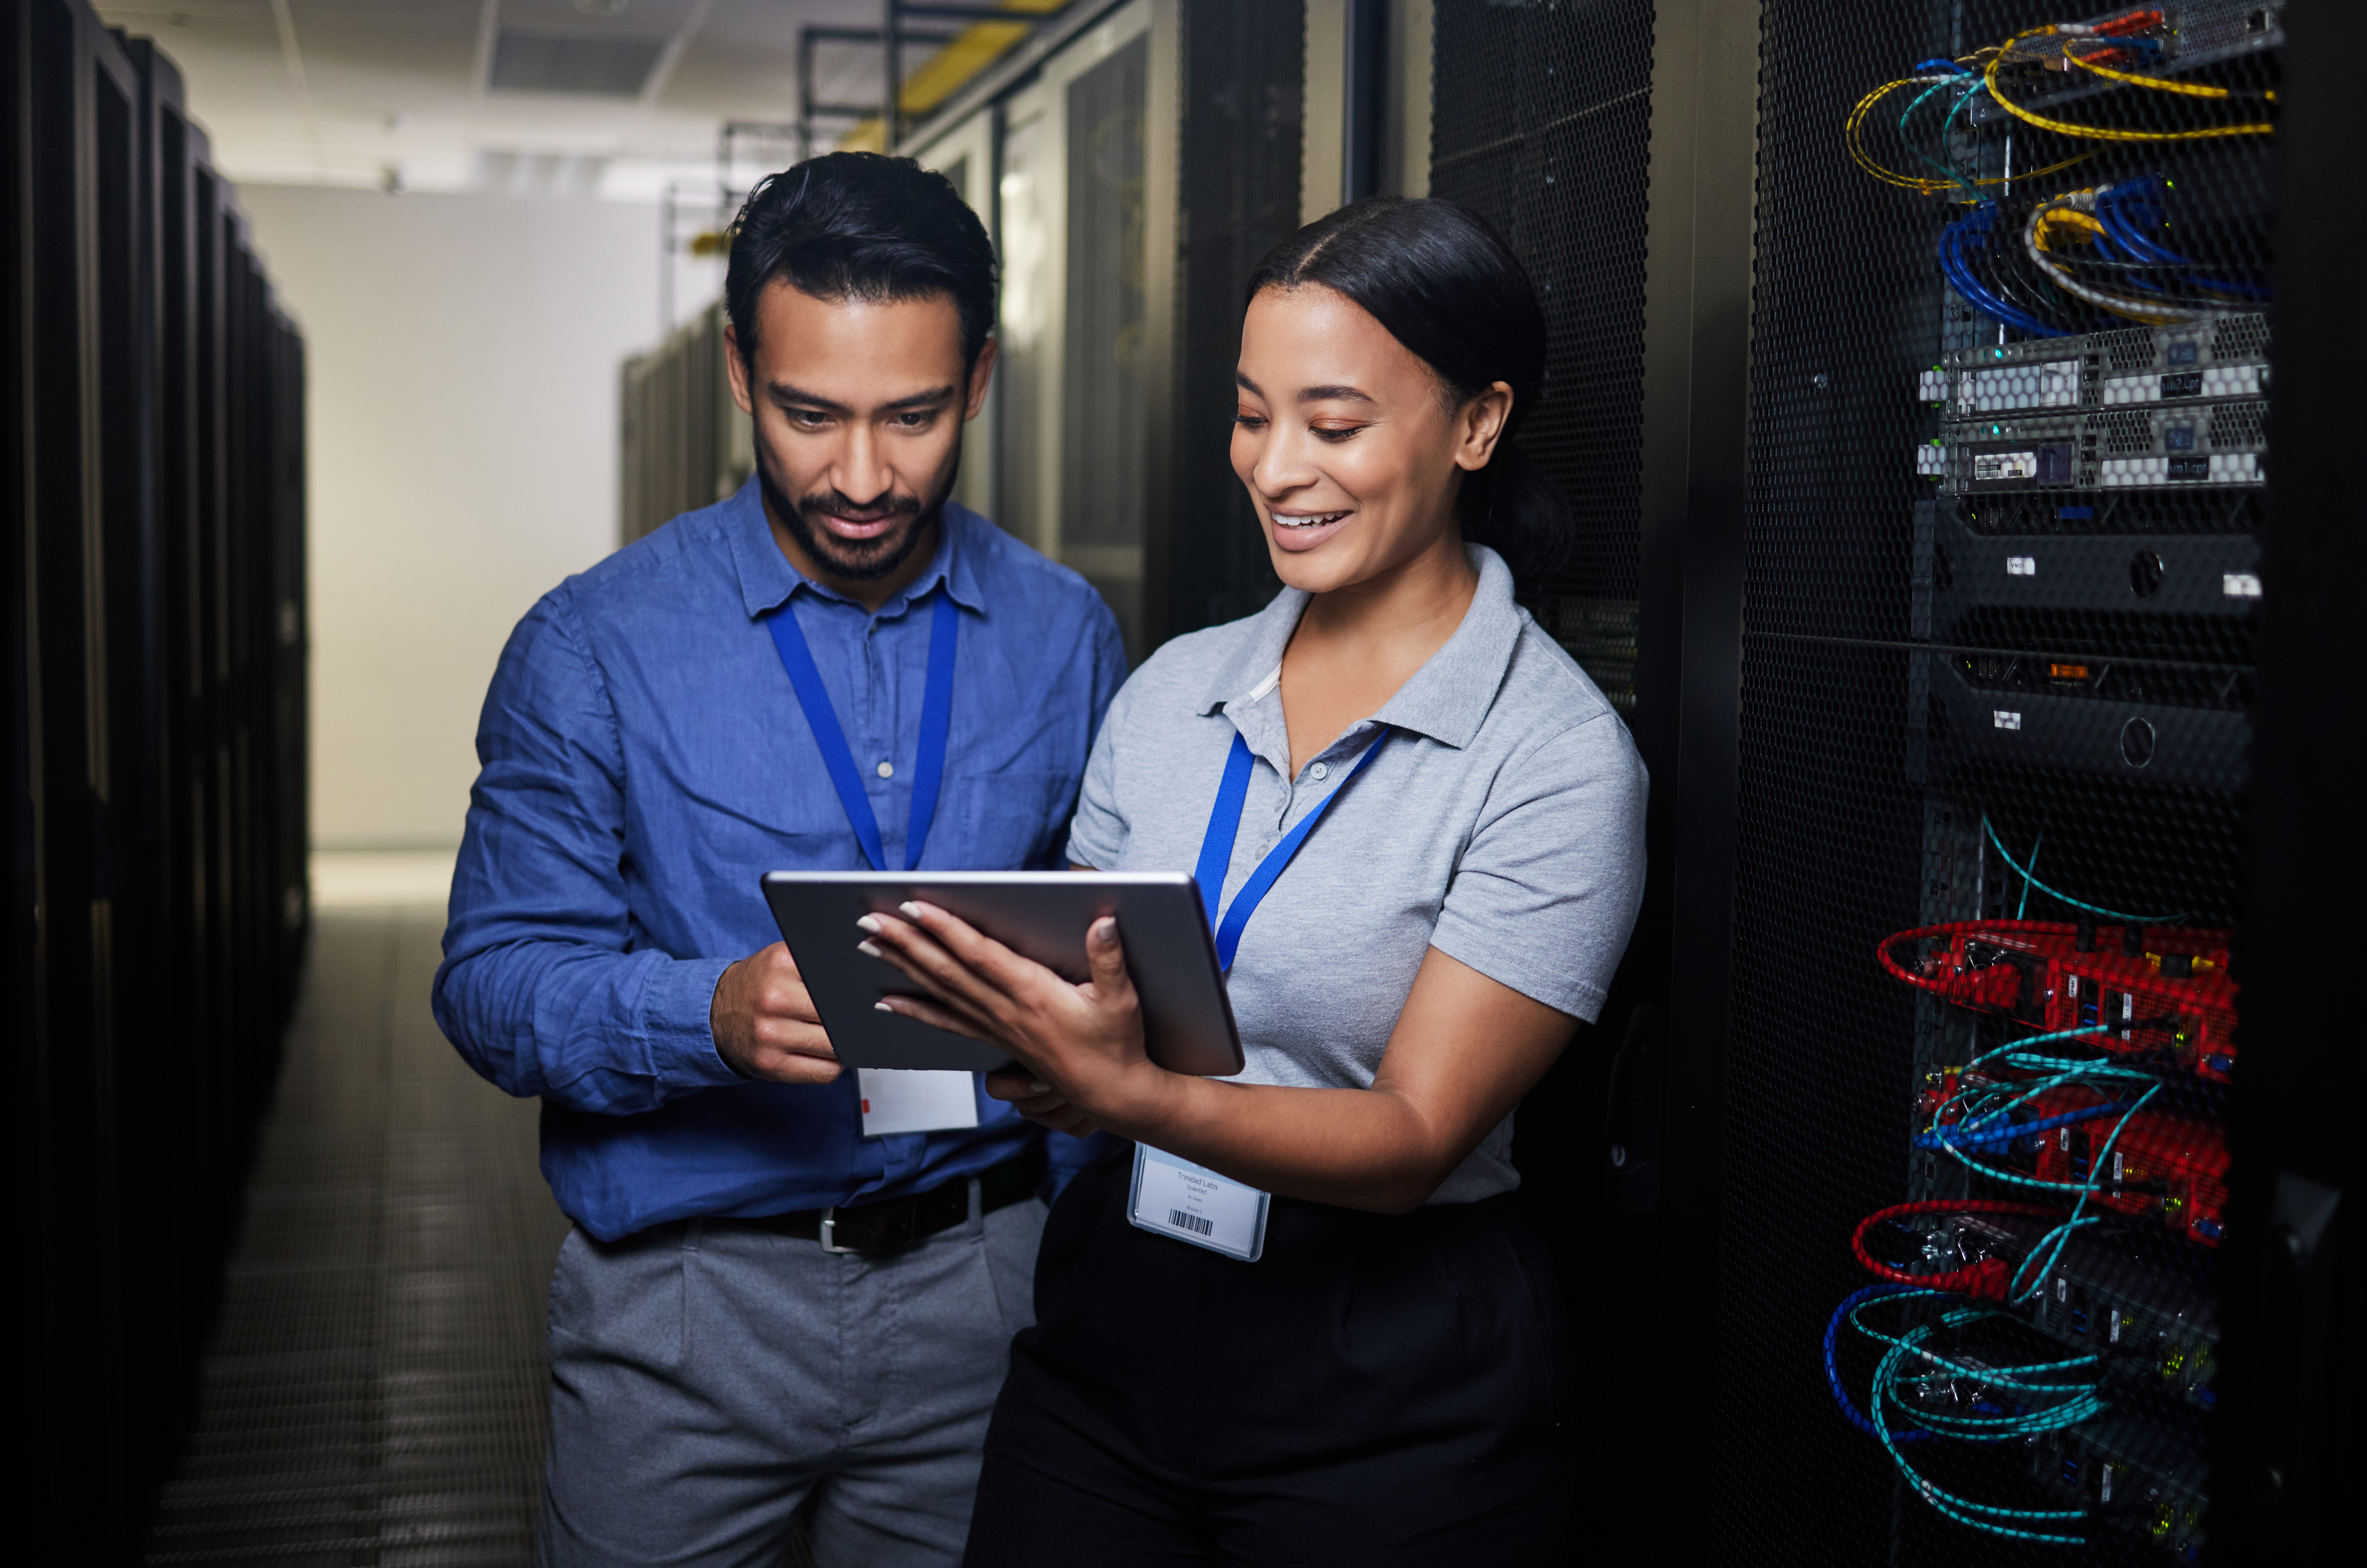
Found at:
[1375, 1390]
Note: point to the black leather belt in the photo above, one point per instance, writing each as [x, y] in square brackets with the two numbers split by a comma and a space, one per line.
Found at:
[900, 1221]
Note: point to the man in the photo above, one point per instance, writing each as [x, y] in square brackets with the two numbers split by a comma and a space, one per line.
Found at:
[654, 740]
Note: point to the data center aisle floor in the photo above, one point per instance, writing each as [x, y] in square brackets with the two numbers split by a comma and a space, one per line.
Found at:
[374, 1390]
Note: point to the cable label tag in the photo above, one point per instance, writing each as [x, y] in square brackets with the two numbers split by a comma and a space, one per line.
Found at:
[1188, 1203]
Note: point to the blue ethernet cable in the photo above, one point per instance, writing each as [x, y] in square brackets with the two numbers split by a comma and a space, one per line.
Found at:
[1959, 274]
[1832, 1370]
[1939, 1138]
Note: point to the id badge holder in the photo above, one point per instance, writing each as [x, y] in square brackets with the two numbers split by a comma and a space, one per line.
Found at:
[897, 1100]
[1174, 1198]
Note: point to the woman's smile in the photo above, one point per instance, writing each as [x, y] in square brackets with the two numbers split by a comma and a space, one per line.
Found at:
[1306, 530]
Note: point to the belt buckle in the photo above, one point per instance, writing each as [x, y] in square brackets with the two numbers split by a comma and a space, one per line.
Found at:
[829, 1232]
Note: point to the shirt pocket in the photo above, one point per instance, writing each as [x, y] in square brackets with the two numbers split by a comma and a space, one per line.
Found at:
[1016, 820]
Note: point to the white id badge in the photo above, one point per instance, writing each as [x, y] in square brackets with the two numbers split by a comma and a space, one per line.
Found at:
[1191, 1203]
[895, 1100]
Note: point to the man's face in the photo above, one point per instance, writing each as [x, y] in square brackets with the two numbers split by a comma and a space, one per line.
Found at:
[858, 409]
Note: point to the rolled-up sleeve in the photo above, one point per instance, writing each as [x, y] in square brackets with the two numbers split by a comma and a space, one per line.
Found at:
[1546, 894]
[541, 988]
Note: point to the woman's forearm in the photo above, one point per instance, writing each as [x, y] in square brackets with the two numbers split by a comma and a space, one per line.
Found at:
[1360, 1148]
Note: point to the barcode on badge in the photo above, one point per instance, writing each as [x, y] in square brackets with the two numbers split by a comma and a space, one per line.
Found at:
[1192, 1222]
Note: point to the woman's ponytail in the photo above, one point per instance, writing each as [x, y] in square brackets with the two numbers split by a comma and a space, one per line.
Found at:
[1514, 508]
[1446, 286]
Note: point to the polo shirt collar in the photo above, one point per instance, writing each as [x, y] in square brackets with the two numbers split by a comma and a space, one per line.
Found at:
[768, 580]
[1438, 699]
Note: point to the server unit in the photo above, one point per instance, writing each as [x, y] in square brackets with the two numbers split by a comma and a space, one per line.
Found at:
[155, 698]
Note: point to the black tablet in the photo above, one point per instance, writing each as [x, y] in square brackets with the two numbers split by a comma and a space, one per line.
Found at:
[1187, 1018]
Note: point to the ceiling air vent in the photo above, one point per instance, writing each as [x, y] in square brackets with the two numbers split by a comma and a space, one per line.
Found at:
[557, 62]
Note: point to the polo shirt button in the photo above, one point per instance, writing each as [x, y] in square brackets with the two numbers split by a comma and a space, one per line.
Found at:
[886, 769]
[1319, 772]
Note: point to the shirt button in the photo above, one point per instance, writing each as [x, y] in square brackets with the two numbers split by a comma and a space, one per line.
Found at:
[886, 769]
[1319, 772]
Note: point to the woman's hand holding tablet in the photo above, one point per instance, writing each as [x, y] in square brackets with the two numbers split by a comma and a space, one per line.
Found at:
[1086, 1039]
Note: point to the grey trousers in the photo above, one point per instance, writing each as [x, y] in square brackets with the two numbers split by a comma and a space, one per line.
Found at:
[709, 1379]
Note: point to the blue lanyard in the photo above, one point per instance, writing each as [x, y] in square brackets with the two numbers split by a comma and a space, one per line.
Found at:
[936, 718]
[1225, 826]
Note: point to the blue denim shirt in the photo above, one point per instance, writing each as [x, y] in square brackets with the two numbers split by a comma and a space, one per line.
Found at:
[643, 761]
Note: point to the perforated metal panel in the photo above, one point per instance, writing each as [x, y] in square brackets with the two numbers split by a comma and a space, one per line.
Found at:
[1240, 150]
[1999, 586]
[1541, 120]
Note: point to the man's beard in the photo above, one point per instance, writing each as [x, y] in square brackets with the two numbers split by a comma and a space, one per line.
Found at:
[855, 560]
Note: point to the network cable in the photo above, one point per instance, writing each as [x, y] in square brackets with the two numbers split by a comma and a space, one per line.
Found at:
[1852, 137]
[2075, 212]
[2074, 1402]
[1957, 241]
[2005, 55]
[1832, 1368]
[2061, 898]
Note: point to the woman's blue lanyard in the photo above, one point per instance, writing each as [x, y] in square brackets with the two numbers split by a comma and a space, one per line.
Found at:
[936, 719]
[1225, 826]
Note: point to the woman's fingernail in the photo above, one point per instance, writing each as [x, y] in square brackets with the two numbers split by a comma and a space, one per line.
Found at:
[881, 1007]
[912, 911]
[1040, 1087]
[866, 924]
[868, 948]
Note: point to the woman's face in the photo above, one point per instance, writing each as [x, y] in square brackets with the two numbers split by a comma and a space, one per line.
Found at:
[1348, 447]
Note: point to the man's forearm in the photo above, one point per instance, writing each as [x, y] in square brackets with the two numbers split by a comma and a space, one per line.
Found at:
[588, 1028]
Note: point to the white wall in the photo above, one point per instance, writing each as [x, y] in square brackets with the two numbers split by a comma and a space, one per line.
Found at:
[463, 354]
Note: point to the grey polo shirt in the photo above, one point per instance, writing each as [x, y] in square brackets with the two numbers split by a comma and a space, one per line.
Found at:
[1502, 824]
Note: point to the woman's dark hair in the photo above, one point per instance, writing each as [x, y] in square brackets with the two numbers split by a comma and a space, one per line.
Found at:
[1446, 286]
[860, 226]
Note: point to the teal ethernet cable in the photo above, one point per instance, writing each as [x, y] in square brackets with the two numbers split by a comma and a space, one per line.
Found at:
[2010, 1523]
[2029, 881]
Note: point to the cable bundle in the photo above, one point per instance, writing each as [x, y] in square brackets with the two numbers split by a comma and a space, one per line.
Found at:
[2067, 262]
[2009, 1400]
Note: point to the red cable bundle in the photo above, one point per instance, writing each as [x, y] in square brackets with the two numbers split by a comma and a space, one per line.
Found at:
[1985, 1280]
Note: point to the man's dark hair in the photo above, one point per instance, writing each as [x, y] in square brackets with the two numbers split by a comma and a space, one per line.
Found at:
[861, 226]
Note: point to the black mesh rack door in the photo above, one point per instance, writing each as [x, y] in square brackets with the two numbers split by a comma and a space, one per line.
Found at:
[1541, 123]
[2011, 351]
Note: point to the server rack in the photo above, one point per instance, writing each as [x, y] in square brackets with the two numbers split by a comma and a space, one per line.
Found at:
[684, 444]
[1891, 640]
[1143, 156]
[155, 648]
[966, 155]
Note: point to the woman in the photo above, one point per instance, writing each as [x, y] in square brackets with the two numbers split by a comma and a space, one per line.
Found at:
[1389, 1380]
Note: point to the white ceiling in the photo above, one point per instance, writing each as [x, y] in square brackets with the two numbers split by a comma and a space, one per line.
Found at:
[380, 92]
